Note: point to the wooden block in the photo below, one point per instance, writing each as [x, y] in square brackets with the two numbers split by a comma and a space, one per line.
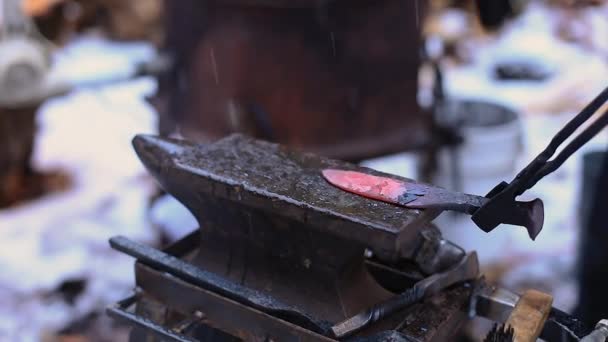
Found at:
[529, 315]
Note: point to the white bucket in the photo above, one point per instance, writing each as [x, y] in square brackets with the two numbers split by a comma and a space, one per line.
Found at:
[492, 137]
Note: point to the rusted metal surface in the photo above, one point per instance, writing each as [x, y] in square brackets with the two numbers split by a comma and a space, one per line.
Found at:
[304, 73]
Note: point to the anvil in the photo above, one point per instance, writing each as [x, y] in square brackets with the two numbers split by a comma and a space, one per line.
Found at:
[275, 238]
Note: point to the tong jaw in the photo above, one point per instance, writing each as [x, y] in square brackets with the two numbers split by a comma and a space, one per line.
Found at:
[503, 208]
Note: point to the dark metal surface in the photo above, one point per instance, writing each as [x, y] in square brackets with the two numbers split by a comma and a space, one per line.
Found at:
[208, 280]
[503, 208]
[437, 318]
[592, 258]
[281, 253]
[272, 224]
[434, 319]
[466, 269]
[241, 171]
[242, 321]
[561, 326]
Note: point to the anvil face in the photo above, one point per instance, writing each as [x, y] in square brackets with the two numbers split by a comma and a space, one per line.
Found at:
[277, 180]
[384, 189]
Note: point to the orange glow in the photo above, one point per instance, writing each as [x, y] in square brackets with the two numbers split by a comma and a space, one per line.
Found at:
[379, 188]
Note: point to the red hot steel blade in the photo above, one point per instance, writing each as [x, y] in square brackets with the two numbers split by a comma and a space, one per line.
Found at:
[379, 188]
[407, 194]
[422, 196]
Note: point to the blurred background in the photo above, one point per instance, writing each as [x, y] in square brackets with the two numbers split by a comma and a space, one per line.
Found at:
[461, 94]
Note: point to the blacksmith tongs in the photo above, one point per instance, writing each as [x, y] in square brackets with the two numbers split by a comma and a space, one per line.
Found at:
[500, 204]
[502, 198]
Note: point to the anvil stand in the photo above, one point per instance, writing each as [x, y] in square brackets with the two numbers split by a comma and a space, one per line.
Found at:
[281, 253]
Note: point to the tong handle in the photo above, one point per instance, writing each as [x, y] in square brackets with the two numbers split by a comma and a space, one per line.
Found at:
[578, 120]
[572, 147]
[540, 166]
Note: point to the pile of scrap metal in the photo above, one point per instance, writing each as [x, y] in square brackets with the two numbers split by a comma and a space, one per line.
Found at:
[284, 255]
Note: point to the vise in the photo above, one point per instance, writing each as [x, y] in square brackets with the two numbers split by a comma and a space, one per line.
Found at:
[283, 255]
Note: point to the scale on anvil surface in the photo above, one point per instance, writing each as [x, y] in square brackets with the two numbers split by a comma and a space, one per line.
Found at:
[281, 255]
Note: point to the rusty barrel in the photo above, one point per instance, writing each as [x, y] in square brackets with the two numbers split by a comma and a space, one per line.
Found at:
[338, 78]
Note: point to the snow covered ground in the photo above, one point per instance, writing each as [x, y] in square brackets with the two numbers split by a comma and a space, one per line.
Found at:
[64, 236]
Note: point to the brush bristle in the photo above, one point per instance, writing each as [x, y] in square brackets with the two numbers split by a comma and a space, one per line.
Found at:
[500, 333]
